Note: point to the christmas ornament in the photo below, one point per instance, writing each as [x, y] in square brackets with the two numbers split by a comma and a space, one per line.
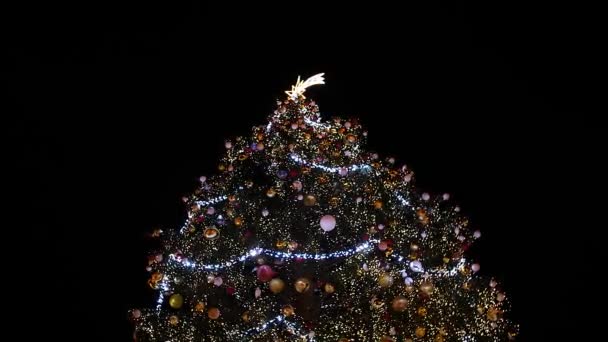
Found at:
[385, 280]
[213, 313]
[399, 304]
[276, 285]
[302, 285]
[211, 233]
[176, 301]
[328, 223]
[265, 273]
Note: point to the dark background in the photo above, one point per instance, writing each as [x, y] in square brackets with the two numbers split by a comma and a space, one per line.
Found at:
[116, 109]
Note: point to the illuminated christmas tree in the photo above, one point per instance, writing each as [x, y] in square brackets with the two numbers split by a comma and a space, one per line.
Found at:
[305, 236]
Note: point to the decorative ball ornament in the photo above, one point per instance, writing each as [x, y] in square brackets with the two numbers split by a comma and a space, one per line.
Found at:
[265, 273]
[211, 233]
[218, 281]
[500, 297]
[422, 311]
[245, 316]
[214, 313]
[329, 288]
[475, 267]
[302, 285]
[310, 200]
[176, 301]
[382, 246]
[385, 280]
[378, 204]
[271, 192]
[427, 287]
[136, 313]
[265, 212]
[173, 320]
[276, 285]
[328, 223]
[199, 307]
[287, 310]
[420, 332]
[238, 221]
[492, 314]
[399, 304]
[416, 266]
[297, 185]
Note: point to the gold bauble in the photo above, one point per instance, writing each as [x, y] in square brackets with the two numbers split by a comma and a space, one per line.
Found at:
[302, 285]
[199, 307]
[238, 221]
[446, 260]
[287, 310]
[310, 200]
[173, 320]
[387, 339]
[281, 244]
[243, 156]
[245, 316]
[378, 204]
[439, 338]
[214, 313]
[176, 301]
[329, 288]
[232, 198]
[221, 167]
[492, 314]
[292, 245]
[156, 277]
[427, 287]
[271, 192]
[409, 289]
[334, 201]
[343, 339]
[399, 304]
[276, 285]
[420, 332]
[377, 303]
[422, 311]
[385, 280]
[408, 340]
[211, 233]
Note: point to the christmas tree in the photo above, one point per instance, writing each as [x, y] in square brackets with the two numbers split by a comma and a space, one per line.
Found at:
[303, 235]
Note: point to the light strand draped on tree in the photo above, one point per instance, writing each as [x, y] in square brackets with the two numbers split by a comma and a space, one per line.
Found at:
[303, 235]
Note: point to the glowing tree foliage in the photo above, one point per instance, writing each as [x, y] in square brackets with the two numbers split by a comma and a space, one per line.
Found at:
[305, 236]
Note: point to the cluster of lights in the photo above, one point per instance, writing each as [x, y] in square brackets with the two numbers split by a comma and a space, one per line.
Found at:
[362, 248]
[280, 319]
[335, 169]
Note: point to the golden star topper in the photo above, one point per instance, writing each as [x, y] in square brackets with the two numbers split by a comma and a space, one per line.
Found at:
[299, 88]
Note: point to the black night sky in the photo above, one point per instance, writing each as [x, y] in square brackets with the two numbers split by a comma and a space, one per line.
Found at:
[115, 110]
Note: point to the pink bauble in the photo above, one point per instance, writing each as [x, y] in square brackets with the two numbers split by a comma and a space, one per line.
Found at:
[477, 234]
[218, 281]
[265, 273]
[210, 211]
[475, 267]
[407, 177]
[426, 196]
[203, 179]
[382, 246]
[343, 171]
[297, 185]
[446, 196]
[136, 313]
[328, 223]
